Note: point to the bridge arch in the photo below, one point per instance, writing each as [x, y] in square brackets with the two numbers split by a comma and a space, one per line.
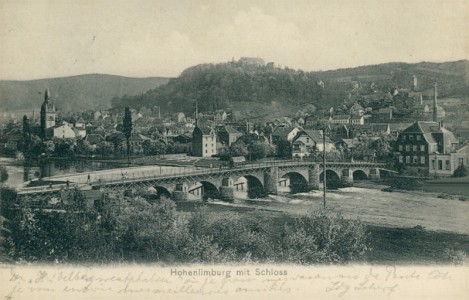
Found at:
[248, 187]
[359, 175]
[293, 182]
[156, 192]
[333, 178]
[204, 189]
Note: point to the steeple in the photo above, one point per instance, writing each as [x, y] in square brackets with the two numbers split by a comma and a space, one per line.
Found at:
[196, 112]
[46, 95]
[435, 118]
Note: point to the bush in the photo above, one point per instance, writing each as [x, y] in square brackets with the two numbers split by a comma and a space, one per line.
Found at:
[141, 231]
[460, 171]
[3, 174]
[325, 237]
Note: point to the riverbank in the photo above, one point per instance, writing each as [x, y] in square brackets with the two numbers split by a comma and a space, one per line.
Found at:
[389, 245]
[449, 188]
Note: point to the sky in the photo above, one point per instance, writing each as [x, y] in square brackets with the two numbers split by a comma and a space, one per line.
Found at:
[54, 38]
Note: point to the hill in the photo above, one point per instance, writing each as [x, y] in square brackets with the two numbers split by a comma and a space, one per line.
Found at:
[263, 89]
[76, 93]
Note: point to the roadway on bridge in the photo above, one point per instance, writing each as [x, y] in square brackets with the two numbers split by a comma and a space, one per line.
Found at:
[121, 174]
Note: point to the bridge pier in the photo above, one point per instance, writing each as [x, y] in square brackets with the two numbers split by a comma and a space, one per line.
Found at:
[227, 190]
[313, 177]
[374, 174]
[180, 193]
[347, 178]
[270, 181]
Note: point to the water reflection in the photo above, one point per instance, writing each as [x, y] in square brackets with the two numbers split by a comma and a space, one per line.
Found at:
[18, 173]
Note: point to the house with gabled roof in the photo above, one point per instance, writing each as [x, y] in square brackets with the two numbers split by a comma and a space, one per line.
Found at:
[227, 135]
[307, 142]
[284, 133]
[423, 145]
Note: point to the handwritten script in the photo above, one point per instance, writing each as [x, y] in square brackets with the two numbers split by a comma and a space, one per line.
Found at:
[109, 282]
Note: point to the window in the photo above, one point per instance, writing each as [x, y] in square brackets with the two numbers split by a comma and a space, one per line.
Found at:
[419, 137]
[206, 145]
[422, 160]
[422, 147]
[416, 160]
[403, 137]
[400, 147]
[448, 165]
[307, 140]
[411, 137]
[440, 164]
[401, 159]
[206, 151]
[433, 164]
[407, 159]
[407, 148]
[461, 161]
[212, 138]
[414, 148]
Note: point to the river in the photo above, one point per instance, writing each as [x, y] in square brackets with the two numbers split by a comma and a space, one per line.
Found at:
[371, 205]
[18, 174]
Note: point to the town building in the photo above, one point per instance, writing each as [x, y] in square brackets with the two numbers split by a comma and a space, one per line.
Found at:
[284, 133]
[63, 131]
[220, 116]
[136, 142]
[357, 120]
[180, 117]
[227, 135]
[204, 142]
[384, 113]
[422, 145]
[340, 119]
[309, 142]
[446, 164]
[310, 121]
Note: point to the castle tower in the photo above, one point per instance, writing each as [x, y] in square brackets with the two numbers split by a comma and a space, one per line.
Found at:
[435, 118]
[47, 113]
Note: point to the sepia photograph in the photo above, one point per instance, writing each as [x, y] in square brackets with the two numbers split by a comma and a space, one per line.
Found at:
[234, 149]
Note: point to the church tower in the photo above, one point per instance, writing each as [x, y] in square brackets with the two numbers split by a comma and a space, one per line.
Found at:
[47, 114]
[435, 112]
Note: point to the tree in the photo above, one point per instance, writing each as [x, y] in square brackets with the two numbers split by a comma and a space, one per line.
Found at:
[62, 147]
[26, 134]
[260, 150]
[83, 147]
[153, 147]
[127, 129]
[284, 149]
[104, 148]
[3, 174]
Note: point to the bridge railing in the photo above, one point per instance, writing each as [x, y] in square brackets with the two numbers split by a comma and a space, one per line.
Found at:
[184, 172]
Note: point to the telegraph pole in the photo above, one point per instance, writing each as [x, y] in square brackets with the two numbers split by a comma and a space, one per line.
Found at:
[324, 165]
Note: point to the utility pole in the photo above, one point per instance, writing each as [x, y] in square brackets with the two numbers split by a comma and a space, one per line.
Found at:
[324, 165]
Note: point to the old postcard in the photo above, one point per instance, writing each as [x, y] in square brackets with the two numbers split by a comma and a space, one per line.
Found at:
[234, 149]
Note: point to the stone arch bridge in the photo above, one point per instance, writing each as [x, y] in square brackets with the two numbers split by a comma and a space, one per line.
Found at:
[254, 179]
